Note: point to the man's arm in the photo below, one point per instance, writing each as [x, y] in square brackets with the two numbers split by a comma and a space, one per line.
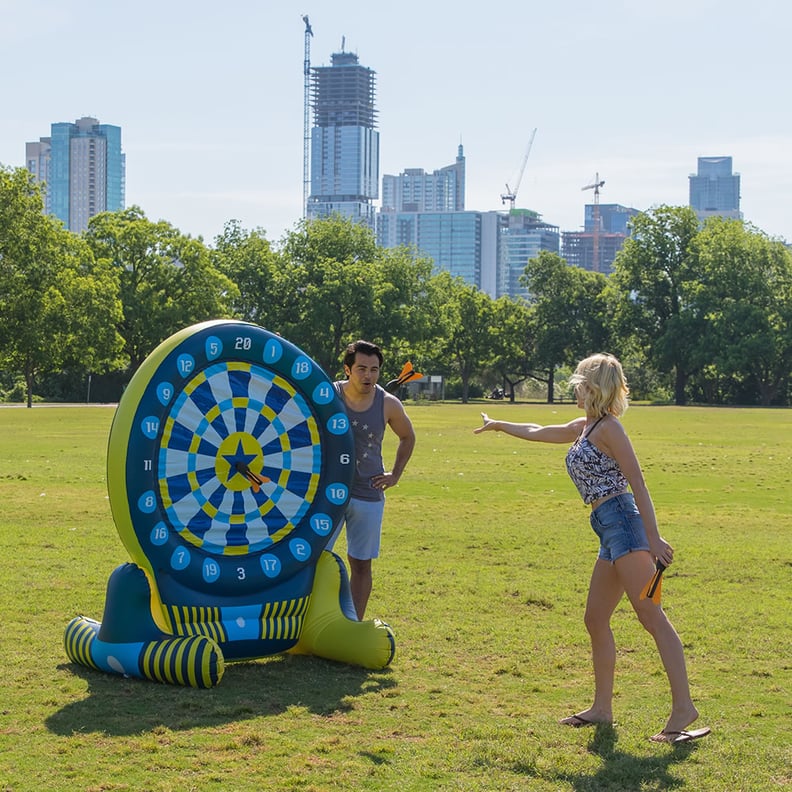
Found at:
[401, 425]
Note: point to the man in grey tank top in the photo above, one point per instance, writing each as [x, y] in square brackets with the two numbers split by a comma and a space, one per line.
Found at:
[370, 409]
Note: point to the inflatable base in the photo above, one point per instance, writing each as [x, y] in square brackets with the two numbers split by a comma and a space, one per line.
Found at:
[133, 639]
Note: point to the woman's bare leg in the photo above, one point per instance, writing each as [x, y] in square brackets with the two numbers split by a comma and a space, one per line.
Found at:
[635, 570]
[605, 591]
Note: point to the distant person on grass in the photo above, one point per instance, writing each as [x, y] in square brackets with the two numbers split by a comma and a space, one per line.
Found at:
[370, 409]
[603, 465]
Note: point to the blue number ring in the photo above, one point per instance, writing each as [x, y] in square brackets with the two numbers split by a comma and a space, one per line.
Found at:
[230, 461]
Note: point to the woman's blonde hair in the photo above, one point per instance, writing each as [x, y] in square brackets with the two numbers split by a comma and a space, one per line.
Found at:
[606, 389]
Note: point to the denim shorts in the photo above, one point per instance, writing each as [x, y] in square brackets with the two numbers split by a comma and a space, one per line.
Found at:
[619, 526]
[363, 521]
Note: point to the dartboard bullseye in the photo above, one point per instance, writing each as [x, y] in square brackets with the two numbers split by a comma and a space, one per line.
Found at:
[229, 462]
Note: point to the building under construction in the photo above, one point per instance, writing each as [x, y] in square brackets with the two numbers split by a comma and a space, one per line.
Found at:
[344, 151]
[605, 228]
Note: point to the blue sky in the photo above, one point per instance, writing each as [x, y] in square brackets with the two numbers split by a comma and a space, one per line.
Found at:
[209, 96]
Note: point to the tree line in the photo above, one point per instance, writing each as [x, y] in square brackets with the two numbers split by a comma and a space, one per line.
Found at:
[697, 314]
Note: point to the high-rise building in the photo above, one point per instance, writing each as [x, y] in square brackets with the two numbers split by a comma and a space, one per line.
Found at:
[83, 170]
[610, 225]
[415, 190]
[715, 190]
[344, 141]
[489, 250]
[426, 212]
[523, 234]
[453, 241]
[39, 157]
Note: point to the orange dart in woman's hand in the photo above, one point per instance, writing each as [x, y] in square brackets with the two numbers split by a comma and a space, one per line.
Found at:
[653, 588]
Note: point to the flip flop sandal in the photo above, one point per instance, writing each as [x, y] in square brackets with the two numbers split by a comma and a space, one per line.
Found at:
[576, 721]
[678, 737]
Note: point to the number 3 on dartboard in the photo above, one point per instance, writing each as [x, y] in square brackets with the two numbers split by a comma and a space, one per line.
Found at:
[241, 573]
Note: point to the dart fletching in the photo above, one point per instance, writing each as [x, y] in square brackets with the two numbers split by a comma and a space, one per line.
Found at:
[255, 481]
[652, 590]
[408, 374]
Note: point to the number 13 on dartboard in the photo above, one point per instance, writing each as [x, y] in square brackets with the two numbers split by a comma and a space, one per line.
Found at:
[338, 424]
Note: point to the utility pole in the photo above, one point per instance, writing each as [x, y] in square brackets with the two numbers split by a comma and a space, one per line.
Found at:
[306, 114]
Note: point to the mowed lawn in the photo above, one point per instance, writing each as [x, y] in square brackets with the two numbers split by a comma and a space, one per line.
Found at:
[483, 577]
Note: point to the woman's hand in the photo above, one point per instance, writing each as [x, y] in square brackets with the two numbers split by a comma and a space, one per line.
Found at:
[662, 551]
[488, 426]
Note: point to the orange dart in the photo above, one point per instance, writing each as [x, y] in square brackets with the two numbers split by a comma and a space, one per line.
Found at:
[255, 481]
[408, 374]
[654, 587]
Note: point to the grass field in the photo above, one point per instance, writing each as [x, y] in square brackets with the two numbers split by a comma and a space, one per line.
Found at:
[485, 565]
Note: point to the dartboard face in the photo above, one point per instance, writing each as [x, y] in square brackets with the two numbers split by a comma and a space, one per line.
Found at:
[237, 460]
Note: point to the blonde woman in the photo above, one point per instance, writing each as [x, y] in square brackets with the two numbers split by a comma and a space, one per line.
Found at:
[603, 465]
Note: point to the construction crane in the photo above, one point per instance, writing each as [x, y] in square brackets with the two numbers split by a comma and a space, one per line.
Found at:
[595, 185]
[511, 195]
[306, 113]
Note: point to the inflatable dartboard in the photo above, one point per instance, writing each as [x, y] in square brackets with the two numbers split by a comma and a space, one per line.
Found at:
[230, 461]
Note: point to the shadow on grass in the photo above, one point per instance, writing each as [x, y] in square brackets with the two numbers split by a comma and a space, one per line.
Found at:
[623, 772]
[120, 706]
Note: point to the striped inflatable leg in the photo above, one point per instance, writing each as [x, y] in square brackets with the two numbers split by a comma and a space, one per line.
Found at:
[194, 661]
[130, 643]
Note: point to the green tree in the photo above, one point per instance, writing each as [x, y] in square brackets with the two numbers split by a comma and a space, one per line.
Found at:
[655, 273]
[466, 316]
[745, 299]
[249, 261]
[330, 266]
[340, 286]
[514, 343]
[404, 312]
[58, 307]
[569, 321]
[168, 280]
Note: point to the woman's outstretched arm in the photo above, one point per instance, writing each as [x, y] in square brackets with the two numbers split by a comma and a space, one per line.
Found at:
[554, 433]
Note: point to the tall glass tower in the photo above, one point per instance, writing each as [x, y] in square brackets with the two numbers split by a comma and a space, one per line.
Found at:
[83, 168]
[344, 141]
[415, 190]
[715, 190]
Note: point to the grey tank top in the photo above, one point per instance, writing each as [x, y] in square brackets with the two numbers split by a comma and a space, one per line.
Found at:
[368, 429]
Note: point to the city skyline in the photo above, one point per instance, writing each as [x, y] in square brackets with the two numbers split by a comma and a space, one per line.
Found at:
[211, 107]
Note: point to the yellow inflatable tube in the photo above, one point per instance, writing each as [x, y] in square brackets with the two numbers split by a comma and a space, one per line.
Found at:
[330, 633]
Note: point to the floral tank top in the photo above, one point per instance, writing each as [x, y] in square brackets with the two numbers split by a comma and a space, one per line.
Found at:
[594, 473]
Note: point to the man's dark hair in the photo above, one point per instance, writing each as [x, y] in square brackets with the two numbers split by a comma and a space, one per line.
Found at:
[365, 348]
